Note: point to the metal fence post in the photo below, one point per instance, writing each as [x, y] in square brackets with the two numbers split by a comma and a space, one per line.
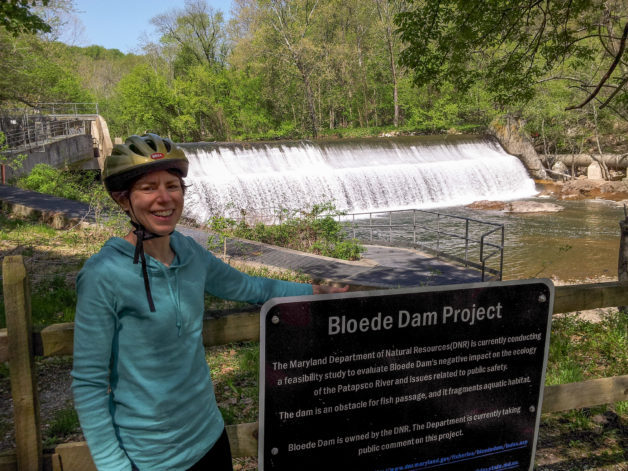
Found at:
[466, 242]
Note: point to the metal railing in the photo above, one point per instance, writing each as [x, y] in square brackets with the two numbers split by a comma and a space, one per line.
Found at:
[65, 109]
[468, 241]
[37, 131]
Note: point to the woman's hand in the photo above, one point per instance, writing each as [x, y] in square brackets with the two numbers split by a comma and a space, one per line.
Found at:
[327, 289]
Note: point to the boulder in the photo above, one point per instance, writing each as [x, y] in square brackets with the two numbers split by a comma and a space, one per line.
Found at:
[513, 139]
[587, 189]
[594, 171]
[517, 206]
[532, 207]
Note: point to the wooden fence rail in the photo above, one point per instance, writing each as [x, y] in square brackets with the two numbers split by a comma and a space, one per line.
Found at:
[19, 345]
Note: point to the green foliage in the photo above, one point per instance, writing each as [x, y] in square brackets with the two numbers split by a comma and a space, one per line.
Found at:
[143, 101]
[53, 300]
[508, 46]
[16, 17]
[315, 231]
[15, 161]
[74, 185]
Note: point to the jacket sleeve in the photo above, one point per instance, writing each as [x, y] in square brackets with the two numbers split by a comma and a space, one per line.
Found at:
[94, 329]
[226, 282]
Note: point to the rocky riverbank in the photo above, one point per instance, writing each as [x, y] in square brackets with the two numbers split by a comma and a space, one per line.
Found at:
[579, 189]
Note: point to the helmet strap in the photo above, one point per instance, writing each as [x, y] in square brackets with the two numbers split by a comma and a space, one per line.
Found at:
[141, 235]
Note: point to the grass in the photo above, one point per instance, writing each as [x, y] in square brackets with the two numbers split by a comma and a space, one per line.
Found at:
[64, 422]
[581, 350]
[52, 258]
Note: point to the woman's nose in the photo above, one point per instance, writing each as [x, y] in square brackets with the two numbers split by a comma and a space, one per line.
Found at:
[163, 194]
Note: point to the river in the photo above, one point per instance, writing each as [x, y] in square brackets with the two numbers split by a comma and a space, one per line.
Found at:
[579, 243]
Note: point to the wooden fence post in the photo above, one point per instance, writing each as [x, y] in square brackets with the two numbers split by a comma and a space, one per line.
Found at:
[622, 264]
[21, 364]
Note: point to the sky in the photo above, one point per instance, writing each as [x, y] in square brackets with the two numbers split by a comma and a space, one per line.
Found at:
[119, 24]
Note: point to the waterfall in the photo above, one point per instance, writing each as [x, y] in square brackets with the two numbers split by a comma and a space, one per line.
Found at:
[355, 175]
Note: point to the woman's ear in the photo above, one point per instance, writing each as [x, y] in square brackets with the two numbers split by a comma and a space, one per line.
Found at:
[122, 198]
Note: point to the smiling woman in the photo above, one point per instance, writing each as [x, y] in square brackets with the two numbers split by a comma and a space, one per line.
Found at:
[141, 384]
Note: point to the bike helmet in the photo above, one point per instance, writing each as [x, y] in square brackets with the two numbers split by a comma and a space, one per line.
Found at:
[139, 155]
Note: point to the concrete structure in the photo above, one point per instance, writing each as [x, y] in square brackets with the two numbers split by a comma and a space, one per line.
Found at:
[59, 153]
[615, 161]
[102, 140]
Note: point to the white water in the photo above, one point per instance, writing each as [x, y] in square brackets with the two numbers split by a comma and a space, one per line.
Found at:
[357, 176]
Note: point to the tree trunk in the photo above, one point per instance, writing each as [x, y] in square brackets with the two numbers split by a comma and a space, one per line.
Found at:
[310, 101]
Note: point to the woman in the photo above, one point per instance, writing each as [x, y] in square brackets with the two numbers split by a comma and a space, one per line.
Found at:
[141, 384]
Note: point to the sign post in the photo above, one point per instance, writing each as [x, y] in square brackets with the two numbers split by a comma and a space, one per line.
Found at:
[448, 377]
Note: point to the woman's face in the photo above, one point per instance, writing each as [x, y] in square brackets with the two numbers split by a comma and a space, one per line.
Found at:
[156, 202]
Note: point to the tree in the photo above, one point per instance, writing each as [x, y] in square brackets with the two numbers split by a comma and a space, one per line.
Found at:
[387, 9]
[195, 34]
[35, 71]
[512, 45]
[144, 101]
[16, 17]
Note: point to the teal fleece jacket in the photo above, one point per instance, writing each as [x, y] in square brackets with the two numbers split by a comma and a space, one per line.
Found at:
[141, 384]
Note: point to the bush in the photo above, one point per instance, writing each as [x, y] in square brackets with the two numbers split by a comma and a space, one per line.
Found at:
[73, 185]
[314, 231]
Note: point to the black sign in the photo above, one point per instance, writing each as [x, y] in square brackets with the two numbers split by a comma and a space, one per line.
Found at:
[412, 379]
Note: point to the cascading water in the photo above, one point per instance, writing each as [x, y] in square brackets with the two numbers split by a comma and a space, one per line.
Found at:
[356, 176]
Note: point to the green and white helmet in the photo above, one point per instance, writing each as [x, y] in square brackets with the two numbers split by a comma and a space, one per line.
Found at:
[139, 155]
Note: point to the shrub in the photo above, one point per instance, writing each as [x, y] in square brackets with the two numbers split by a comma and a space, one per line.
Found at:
[314, 231]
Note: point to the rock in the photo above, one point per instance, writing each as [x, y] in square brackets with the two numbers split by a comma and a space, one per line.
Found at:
[516, 206]
[488, 205]
[594, 171]
[532, 207]
[514, 140]
[587, 189]
[560, 167]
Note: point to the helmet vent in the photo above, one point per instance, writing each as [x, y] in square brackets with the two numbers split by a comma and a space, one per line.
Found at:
[135, 149]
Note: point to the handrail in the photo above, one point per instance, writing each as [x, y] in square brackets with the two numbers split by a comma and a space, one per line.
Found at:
[441, 231]
[40, 130]
[54, 107]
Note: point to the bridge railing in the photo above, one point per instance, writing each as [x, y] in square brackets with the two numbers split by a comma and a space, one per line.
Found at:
[75, 109]
[39, 131]
[31, 128]
[466, 241]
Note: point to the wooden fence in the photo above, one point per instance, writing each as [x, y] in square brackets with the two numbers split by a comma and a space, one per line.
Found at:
[19, 345]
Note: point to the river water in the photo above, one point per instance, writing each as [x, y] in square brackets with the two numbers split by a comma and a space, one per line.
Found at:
[581, 242]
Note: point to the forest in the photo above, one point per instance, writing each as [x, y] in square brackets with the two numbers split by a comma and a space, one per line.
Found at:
[292, 69]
